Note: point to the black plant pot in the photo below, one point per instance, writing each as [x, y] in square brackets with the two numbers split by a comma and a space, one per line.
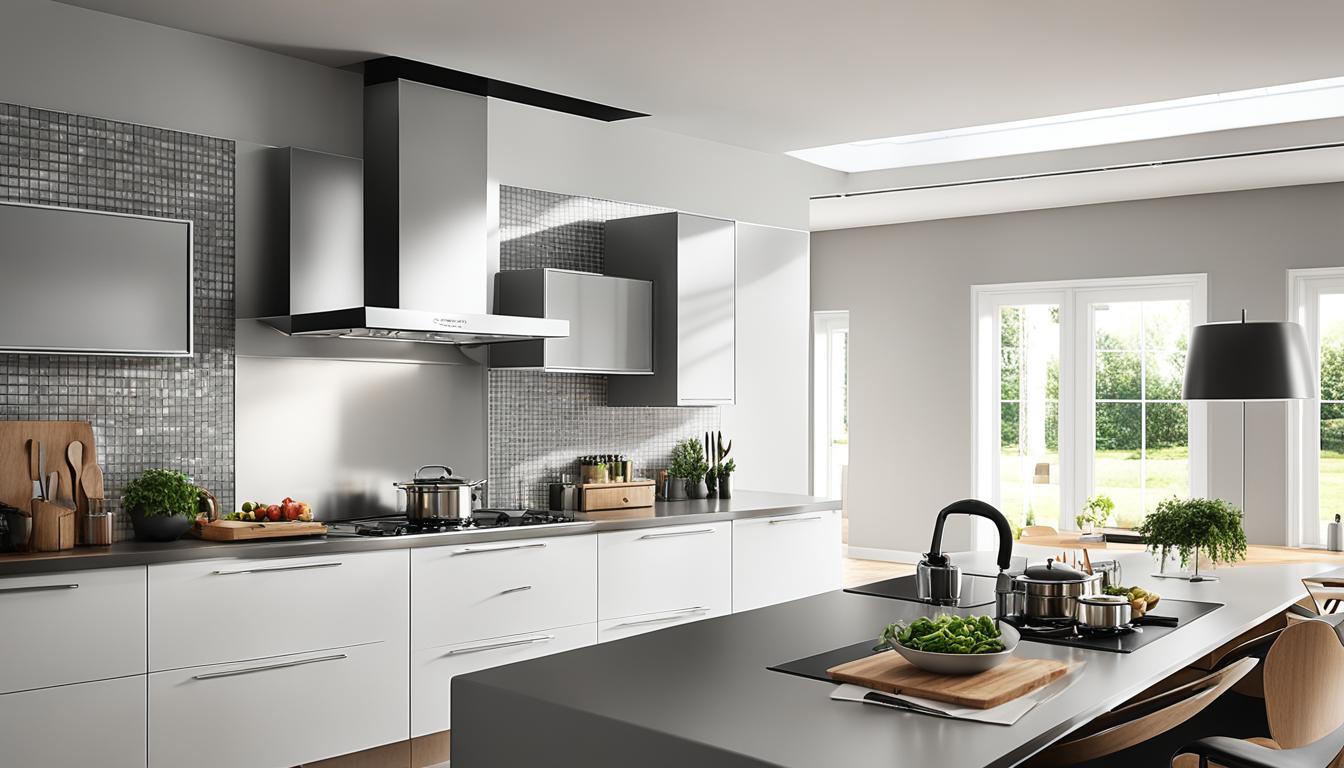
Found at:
[158, 527]
[726, 487]
[711, 487]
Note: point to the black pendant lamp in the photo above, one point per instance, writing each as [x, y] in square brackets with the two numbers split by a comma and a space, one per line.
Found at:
[1248, 361]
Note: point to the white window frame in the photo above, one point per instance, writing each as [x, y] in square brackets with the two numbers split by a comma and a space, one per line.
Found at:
[1076, 382]
[823, 323]
[1302, 527]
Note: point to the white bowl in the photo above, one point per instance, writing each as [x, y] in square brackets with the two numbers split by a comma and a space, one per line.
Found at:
[962, 663]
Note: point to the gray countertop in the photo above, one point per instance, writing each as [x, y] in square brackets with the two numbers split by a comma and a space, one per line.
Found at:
[701, 694]
[743, 504]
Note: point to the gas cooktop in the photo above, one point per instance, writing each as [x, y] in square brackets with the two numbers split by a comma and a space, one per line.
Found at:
[481, 519]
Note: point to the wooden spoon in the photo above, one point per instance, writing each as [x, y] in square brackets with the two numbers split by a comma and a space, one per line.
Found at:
[93, 481]
[75, 453]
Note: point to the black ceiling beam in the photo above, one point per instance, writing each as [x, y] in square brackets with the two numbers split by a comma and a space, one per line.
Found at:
[389, 68]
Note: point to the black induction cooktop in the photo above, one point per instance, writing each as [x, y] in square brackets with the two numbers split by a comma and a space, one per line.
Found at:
[976, 591]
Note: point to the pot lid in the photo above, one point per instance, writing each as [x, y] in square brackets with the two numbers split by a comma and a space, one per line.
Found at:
[1053, 571]
[1103, 600]
[445, 477]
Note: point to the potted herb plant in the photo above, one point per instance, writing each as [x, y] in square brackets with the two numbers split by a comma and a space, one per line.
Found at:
[715, 478]
[1210, 528]
[162, 504]
[689, 466]
[724, 474]
[1095, 512]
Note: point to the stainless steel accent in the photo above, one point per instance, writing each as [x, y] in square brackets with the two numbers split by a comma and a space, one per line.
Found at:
[424, 268]
[670, 534]
[937, 580]
[325, 233]
[269, 667]
[1009, 598]
[511, 590]
[938, 584]
[506, 548]
[564, 495]
[439, 498]
[97, 524]
[1111, 573]
[39, 588]
[1051, 591]
[673, 616]
[692, 263]
[610, 321]
[69, 256]
[1103, 611]
[493, 646]
[278, 568]
[781, 520]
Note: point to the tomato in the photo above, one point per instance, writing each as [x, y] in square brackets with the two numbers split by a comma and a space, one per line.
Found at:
[292, 510]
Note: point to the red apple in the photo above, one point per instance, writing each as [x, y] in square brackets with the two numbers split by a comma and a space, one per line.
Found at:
[273, 513]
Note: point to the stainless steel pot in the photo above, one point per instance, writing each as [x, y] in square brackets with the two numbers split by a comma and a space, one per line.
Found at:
[444, 497]
[1051, 591]
[1105, 612]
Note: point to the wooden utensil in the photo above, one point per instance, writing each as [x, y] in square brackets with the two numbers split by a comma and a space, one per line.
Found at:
[75, 453]
[53, 527]
[53, 485]
[42, 470]
[17, 476]
[93, 482]
[890, 672]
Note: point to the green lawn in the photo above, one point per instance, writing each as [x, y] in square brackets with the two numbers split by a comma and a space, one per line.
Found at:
[1332, 485]
[1115, 474]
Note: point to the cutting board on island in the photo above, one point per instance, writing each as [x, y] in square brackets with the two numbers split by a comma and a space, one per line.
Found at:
[246, 530]
[889, 672]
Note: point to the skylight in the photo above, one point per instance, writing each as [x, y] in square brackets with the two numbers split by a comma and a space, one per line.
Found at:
[1310, 100]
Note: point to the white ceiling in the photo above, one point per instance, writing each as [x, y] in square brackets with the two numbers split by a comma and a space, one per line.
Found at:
[777, 75]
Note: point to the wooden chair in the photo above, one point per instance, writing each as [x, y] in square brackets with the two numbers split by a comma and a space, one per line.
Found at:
[1326, 594]
[1038, 530]
[1139, 721]
[1304, 700]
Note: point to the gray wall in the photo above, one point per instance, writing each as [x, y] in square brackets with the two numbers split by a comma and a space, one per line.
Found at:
[907, 288]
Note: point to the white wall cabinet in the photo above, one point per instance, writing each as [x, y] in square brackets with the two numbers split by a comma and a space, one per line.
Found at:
[665, 569]
[72, 627]
[89, 724]
[787, 557]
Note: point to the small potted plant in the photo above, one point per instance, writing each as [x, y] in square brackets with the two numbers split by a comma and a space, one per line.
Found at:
[162, 504]
[689, 467]
[1095, 512]
[716, 480]
[1195, 528]
[724, 474]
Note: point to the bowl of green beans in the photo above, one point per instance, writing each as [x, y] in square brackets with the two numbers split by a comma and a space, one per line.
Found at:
[951, 645]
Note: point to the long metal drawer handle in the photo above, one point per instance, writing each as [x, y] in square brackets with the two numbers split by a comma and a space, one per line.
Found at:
[794, 519]
[269, 667]
[511, 590]
[476, 550]
[675, 615]
[676, 533]
[493, 646]
[42, 588]
[277, 568]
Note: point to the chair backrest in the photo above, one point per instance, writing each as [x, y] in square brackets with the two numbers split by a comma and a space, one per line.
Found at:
[1304, 683]
[1142, 720]
[1038, 530]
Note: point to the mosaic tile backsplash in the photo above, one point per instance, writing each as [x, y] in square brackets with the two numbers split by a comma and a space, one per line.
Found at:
[539, 423]
[146, 412]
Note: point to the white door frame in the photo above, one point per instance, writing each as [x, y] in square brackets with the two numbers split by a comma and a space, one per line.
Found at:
[1302, 496]
[823, 323]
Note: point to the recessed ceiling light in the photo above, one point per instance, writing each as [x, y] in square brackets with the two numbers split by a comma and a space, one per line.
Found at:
[1310, 100]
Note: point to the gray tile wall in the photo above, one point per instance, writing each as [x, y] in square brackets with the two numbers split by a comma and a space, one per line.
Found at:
[146, 412]
[539, 422]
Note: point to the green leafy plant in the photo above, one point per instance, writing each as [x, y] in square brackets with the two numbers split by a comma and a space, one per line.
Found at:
[715, 452]
[162, 492]
[1210, 525]
[1096, 511]
[726, 468]
[688, 461]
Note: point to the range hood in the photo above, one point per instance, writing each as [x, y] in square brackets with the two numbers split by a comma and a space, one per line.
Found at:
[424, 274]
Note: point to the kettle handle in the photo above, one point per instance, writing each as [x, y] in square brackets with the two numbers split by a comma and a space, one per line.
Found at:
[975, 508]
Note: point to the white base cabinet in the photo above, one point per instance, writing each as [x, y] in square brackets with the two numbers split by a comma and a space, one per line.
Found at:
[433, 669]
[787, 557]
[89, 724]
[674, 568]
[278, 712]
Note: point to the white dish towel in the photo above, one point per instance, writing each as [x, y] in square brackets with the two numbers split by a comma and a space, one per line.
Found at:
[1004, 714]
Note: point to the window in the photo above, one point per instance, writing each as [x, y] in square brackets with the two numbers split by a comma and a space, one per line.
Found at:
[1316, 427]
[831, 407]
[1078, 388]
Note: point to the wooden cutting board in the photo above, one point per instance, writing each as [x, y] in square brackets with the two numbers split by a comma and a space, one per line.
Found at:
[891, 673]
[16, 485]
[242, 530]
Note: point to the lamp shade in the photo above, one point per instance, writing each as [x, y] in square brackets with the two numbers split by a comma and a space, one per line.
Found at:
[1249, 361]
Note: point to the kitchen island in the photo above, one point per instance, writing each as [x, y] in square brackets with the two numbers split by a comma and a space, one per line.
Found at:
[701, 694]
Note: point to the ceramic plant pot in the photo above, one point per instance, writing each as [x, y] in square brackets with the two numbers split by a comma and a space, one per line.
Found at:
[159, 527]
[696, 490]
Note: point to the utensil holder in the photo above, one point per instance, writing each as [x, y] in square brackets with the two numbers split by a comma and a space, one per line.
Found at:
[97, 525]
[53, 527]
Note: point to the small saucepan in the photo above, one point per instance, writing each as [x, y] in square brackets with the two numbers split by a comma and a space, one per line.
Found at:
[1107, 613]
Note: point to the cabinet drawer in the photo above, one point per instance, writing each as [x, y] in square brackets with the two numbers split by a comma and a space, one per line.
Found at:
[433, 669]
[89, 724]
[72, 627]
[475, 591]
[615, 629]
[617, 496]
[648, 570]
[215, 611]
[777, 559]
[280, 711]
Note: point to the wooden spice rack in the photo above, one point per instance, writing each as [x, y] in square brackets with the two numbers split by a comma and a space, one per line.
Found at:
[635, 494]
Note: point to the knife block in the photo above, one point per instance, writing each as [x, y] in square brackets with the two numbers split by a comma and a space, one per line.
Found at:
[53, 527]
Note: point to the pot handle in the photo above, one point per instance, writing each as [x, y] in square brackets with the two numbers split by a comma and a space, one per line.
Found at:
[447, 471]
[975, 508]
